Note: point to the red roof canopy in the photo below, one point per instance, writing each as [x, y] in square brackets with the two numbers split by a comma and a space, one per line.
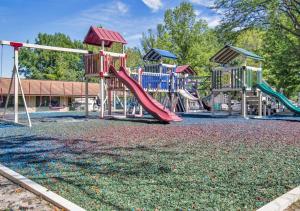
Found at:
[185, 69]
[96, 35]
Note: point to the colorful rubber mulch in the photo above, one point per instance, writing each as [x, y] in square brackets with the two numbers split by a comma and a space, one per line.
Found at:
[200, 163]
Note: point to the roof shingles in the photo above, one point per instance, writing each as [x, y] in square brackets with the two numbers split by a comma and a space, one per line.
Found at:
[156, 54]
[229, 53]
[96, 35]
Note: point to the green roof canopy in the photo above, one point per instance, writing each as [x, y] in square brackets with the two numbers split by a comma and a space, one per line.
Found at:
[229, 53]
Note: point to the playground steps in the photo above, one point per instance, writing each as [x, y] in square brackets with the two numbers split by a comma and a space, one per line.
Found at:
[252, 99]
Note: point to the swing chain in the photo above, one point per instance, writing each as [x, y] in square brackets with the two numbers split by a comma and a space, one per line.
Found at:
[1, 71]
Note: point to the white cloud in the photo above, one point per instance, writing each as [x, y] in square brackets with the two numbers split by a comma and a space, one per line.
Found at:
[123, 8]
[212, 20]
[206, 3]
[154, 5]
[104, 13]
[134, 37]
[111, 16]
[197, 13]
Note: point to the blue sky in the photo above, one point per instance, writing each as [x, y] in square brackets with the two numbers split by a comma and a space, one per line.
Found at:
[22, 20]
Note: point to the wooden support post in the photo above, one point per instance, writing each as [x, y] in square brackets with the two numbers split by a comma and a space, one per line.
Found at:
[244, 92]
[244, 104]
[213, 103]
[16, 85]
[101, 83]
[125, 101]
[187, 105]
[172, 91]
[24, 100]
[229, 104]
[102, 98]
[109, 99]
[114, 101]
[265, 109]
[86, 97]
[259, 103]
[140, 83]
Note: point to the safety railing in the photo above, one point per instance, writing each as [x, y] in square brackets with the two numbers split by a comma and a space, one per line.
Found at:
[235, 77]
[153, 81]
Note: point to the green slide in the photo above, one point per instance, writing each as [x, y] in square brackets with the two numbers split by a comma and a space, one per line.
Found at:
[282, 98]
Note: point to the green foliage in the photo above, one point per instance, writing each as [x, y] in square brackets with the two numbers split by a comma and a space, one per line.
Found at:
[272, 30]
[183, 34]
[269, 28]
[43, 64]
[282, 53]
[134, 57]
[240, 15]
[252, 40]
[148, 40]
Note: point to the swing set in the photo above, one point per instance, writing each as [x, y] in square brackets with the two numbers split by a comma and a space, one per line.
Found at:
[1, 72]
[15, 77]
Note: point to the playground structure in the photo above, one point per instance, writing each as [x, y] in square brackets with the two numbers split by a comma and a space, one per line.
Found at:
[243, 80]
[158, 77]
[168, 82]
[105, 64]
[178, 84]
[101, 64]
[97, 65]
[237, 79]
[188, 93]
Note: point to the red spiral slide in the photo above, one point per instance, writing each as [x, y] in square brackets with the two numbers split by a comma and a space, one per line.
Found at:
[149, 104]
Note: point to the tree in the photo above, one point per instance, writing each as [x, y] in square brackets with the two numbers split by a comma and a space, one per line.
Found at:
[148, 40]
[134, 57]
[252, 40]
[185, 35]
[271, 29]
[43, 64]
[240, 15]
[282, 53]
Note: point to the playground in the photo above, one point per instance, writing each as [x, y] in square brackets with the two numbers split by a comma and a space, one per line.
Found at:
[198, 163]
[153, 137]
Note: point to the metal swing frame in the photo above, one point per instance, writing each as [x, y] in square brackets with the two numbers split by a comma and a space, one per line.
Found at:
[15, 77]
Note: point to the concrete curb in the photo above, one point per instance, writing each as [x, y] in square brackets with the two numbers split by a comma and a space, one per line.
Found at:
[38, 189]
[283, 202]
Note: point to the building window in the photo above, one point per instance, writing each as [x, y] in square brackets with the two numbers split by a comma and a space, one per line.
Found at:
[42, 101]
[55, 101]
